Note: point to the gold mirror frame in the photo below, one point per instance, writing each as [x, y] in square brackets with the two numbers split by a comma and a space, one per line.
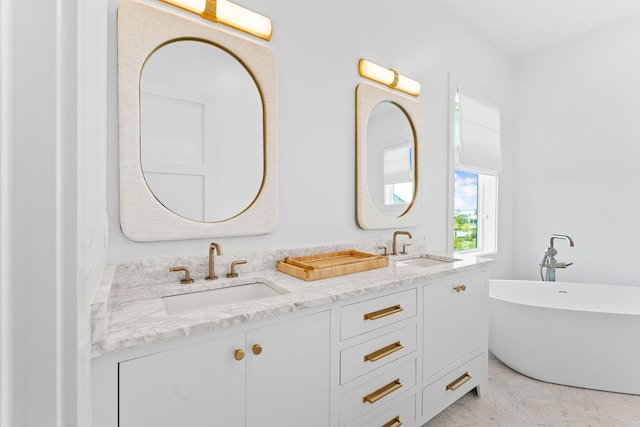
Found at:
[143, 28]
[368, 96]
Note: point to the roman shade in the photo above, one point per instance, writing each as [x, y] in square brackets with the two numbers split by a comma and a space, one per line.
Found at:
[397, 164]
[478, 147]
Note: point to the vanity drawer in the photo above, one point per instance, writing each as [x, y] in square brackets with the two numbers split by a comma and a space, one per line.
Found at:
[395, 414]
[376, 392]
[365, 316]
[372, 354]
[452, 386]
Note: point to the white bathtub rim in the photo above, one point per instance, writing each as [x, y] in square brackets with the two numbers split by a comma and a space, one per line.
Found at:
[601, 306]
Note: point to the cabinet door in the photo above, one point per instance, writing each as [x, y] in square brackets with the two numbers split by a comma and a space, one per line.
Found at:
[198, 385]
[288, 383]
[455, 321]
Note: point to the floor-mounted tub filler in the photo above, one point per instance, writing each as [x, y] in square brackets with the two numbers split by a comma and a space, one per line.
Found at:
[582, 335]
[549, 261]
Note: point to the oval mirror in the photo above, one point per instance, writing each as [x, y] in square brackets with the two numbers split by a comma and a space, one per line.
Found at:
[388, 154]
[390, 159]
[201, 131]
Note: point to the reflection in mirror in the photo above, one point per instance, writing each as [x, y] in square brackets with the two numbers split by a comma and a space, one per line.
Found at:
[390, 157]
[201, 131]
[387, 158]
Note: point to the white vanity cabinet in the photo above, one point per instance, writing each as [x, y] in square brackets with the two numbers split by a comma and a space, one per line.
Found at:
[389, 358]
[290, 380]
[198, 385]
[282, 378]
[378, 363]
[455, 339]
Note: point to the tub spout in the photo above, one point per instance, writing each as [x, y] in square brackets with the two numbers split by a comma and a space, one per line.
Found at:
[560, 236]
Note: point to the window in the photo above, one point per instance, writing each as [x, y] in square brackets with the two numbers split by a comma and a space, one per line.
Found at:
[478, 157]
[465, 211]
[474, 214]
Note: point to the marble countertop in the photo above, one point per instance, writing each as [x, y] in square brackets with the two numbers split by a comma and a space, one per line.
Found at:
[125, 317]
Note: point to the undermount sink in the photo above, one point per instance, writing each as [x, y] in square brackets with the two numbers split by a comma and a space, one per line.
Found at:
[184, 303]
[424, 262]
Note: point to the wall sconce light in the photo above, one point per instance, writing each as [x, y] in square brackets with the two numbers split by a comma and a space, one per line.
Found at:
[388, 77]
[229, 14]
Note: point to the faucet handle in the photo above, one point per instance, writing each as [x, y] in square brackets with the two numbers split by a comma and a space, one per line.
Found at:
[563, 264]
[186, 279]
[384, 248]
[404, 248]
[232, 272]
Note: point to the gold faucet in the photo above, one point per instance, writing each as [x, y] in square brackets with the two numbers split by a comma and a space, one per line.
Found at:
[406, 233]
[214, 247]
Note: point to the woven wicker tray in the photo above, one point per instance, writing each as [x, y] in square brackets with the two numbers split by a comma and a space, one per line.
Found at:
[331, 264]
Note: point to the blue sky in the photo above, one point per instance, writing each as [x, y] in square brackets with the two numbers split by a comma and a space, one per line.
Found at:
[466, 191]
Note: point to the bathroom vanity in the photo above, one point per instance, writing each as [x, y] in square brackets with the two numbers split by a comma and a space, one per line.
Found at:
[391, 346]
[385, 347]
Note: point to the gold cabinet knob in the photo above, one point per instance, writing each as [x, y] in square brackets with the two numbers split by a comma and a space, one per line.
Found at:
[238, 354]
[257, 349]
[460, 288]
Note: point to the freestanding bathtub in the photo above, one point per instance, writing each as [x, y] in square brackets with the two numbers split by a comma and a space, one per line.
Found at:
[582, 335]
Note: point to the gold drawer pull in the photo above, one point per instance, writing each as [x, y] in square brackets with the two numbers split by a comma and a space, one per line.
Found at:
[458, 382]
[394, 422]
[383, 352]
[374, 315]
[382, 391]
[238, 354]
[460, 288]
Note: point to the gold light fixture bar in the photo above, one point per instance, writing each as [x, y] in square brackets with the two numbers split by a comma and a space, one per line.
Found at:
[228, 13]
[388, 77]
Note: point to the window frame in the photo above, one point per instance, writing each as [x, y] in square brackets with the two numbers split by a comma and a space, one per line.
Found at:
[488, 184]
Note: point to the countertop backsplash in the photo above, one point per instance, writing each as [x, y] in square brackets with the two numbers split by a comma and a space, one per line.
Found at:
[146, 272]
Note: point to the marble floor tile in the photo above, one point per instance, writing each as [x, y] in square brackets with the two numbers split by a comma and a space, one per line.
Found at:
[514, 400]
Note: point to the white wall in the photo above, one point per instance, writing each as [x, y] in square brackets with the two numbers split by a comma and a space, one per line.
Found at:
[317, 47]
[52, 206]
[577, 154]
[32, 226]
[92, 188]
